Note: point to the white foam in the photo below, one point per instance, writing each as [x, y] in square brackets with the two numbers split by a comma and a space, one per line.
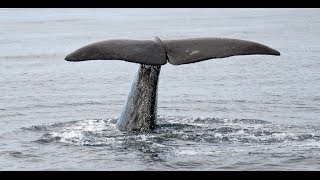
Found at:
[157, 145]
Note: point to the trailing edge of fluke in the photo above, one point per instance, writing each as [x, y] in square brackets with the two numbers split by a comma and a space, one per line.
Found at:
[176, 52]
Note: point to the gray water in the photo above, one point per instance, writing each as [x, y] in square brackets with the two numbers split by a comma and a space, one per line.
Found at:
[238, 113]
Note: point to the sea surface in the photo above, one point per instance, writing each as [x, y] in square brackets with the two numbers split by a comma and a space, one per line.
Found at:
[255, 112]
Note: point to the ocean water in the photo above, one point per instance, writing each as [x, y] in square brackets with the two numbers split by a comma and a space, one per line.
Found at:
[240, 113]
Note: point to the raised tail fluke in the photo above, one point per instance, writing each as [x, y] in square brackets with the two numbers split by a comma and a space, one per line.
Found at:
[140, 111]
[185, 51]
[177, 52]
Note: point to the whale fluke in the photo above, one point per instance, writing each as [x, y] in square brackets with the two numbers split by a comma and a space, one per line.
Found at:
[137, 51]
[140, 111]
[176, 52]
[187, 51]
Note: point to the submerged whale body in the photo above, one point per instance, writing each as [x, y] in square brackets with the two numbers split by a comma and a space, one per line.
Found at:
[140, 111]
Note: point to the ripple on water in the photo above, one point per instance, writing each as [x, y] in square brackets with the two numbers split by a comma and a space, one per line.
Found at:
[18, 154]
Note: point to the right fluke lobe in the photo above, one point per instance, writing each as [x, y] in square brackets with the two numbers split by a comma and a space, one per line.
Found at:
[185, 51]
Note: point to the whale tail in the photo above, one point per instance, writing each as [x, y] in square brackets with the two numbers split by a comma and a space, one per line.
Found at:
[176, 52]
[140, 111]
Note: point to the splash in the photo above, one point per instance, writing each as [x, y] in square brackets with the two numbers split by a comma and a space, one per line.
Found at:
[171, 129]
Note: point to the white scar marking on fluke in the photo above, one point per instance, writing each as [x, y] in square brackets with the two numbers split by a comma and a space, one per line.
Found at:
[194, 52]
